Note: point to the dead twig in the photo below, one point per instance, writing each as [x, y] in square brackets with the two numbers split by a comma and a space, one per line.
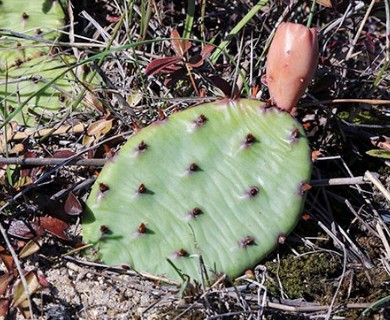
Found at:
[358, 33]
[339, 181]
[54, 162]
[336, 101]
[121, 270]
[372, 178]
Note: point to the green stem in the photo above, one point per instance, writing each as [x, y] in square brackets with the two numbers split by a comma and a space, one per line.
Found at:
[379, 78]
[214, 57]
[146, 13]
[376, 305]
[312, 9]
[189, 19]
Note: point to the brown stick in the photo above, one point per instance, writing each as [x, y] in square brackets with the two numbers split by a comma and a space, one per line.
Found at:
[338, 181]
[335, 101]
[53, 162]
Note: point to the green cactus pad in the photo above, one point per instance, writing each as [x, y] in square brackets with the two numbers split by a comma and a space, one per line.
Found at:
[223, 180]
[39, 18]
[24, 81]
[27, 64]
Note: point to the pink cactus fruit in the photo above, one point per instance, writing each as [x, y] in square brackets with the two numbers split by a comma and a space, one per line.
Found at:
[291, 63]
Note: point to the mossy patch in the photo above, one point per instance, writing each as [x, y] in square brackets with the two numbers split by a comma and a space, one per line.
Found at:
[308, 276]
[315, 276]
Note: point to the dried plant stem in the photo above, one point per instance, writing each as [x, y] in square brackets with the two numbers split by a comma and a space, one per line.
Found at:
[53, 162]
[121, 270]
[387, 10]
[384, 239]
[329, 313]
[371, 177]
[289, 308]
[335, 101]
[192, 79]
[357, 35]
[357, 215]
[338, 181]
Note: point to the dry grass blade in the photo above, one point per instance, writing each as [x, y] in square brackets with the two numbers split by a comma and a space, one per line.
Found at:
[378, 184]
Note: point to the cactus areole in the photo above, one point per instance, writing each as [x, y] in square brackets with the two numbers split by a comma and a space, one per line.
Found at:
[221, 181]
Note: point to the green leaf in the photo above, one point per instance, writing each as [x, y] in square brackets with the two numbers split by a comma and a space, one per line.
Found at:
[379, 153]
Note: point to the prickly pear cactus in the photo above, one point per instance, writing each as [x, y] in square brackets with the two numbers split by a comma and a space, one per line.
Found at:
[25, 80]
[40, 18]
[222, 180]
[26, 63]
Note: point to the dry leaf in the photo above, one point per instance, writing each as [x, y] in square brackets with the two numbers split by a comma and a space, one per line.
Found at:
[207, 50]
[11, 128]
[10, 131]
[95, 130]
[134, 98]
[112, 19]
[4, 306]
[20, 294]
[315, 155]
[166, 65]
[179, 46]
[93, 102]
[61, 154]
[42, 279]
[3, 170]
[5, 279]
[17, 148]
[195, 61]
[72, 205]
[30, 248]
[54, 226]
[87, 140]
[99, 127]
[7, 259]
[382, 142]
[35, 282]
[24, 229]
[24, 309]
[325, 3]
[221, 84]
[22, 182]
